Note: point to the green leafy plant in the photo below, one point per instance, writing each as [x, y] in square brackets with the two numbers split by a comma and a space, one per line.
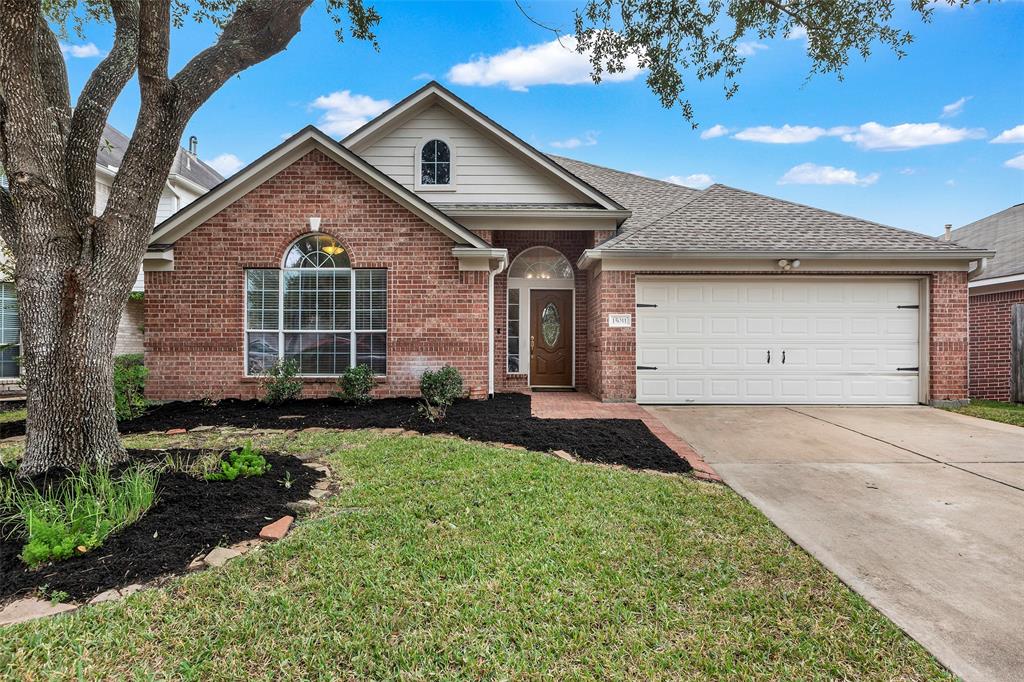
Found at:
[439, 390]
[355, 384]
[53, 596]
[245, 462]
[129, 386]
[283, 383]
[78, 513]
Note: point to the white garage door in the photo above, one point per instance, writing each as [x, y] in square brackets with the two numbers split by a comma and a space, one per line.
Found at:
[777, 341]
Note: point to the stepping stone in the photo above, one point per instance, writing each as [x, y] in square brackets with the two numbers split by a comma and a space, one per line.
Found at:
[220, 556]
[303, 506]
[322, 484]
[562, 454]
[109, 595]
[197, 565]
[130, 589]
[319, 493]
[509, 446]
[175, 432]
[31, 608]
[278, 529]
[201, 429]
[314, 429]
[392, 431]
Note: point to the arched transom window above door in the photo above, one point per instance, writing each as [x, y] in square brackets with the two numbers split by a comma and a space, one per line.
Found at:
[540, 262]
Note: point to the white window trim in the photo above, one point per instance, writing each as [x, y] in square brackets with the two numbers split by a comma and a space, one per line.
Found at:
[417, 173]
[5, 381]
[281, 331]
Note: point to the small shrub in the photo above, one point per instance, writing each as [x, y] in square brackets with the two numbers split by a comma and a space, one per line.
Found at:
[355, 384]
[245, 463]
[129, 386]
[78, 513]
[283, 384]
[439, 390]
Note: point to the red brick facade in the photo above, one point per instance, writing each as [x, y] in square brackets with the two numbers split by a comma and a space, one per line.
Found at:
[991, 344]
[195, 314]
[949, 340]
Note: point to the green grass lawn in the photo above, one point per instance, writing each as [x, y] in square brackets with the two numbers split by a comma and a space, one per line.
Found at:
[997, 411]
[443, 559]
[15, 415]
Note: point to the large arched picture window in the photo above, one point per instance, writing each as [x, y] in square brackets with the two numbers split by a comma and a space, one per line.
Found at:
[435, 163]
[540, 262]
[317, 311]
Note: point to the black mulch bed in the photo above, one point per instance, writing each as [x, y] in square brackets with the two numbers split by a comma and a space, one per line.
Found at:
[505, 418]
[190, 516]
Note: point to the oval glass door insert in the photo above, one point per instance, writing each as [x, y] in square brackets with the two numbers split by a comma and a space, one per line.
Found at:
[550, 324]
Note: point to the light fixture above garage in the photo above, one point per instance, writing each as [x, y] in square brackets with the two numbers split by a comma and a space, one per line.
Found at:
[788, 265]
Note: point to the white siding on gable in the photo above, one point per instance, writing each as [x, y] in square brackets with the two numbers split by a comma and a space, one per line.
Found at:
[167, 207]
[485, 171]
[102, 195]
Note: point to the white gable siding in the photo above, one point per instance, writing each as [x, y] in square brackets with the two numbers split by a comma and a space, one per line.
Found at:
[485, 171]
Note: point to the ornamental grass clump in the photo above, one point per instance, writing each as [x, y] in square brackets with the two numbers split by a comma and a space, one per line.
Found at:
[245, 462]
[78, 513]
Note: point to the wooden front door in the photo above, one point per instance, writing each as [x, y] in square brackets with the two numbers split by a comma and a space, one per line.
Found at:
[551, 337]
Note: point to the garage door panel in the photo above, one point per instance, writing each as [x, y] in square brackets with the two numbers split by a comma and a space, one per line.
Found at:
[844, 341]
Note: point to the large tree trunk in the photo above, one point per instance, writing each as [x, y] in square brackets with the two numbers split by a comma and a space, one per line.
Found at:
[70, 313]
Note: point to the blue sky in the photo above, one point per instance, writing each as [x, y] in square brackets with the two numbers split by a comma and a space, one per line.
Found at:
[904, 142]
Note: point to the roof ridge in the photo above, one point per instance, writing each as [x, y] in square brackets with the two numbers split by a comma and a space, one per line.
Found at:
[622, 172]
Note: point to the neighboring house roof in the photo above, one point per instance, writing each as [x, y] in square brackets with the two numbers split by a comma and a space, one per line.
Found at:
[308, 139]
[434, 93]
[648, 199]
[114, 144]
[1002, 232]
[669, 218]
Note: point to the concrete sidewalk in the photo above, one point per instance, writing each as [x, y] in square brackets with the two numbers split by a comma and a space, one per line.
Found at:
[921, 511]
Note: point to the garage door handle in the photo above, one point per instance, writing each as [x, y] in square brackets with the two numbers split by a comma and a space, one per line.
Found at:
[769, 357]
[907, 369]
[783, 357]
[645, 367]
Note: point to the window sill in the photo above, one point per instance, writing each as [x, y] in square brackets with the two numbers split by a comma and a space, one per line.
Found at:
[436, 188]
[380, 379]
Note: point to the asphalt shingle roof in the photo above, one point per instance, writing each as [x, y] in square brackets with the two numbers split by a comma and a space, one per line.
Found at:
[1002, 232]
[647, 198]
[669, 217]
[114, 143]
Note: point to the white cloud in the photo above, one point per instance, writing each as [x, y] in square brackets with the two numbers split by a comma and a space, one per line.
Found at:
[695, 180]
[813, 174]
[548, 63]
[955, 108]
[226, 164]
[588, 139]
[748, 48]
[425, 76]
[1016, 162]
[908, 171]
[80, 51]
[797, 33]
[1012, 136]
[788, 134]
[344, 112]
[875, 136]
[717, 130]
[950, 183]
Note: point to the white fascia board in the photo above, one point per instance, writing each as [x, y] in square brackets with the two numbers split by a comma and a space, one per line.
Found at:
[995, 281]
[435, 92]
[553, 213]
[547, 223]
[272, 162]
[480, 259]
[963, 257]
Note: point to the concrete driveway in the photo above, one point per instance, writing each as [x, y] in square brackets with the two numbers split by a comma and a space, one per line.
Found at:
[919, 510]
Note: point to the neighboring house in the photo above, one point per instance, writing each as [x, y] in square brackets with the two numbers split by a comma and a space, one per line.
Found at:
[433, 235]
[189, 179]
[993, 293]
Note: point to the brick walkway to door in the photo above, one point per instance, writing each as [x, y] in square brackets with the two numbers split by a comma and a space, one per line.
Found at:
[569, 405]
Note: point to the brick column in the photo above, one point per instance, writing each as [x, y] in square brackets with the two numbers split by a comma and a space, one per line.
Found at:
[948, 346]
[612, 352]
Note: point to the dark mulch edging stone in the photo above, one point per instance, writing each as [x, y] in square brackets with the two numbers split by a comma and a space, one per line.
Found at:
[505, 418]
[190, 517]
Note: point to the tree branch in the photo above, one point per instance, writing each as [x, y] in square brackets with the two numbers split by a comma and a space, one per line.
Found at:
[95, 102]
[52, 73]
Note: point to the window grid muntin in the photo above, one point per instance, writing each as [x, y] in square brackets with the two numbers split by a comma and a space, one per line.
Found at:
[435, 170]
[376, 355]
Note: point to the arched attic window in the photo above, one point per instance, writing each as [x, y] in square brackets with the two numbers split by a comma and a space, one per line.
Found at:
[316, 311]
[435, 161]
[540, 262]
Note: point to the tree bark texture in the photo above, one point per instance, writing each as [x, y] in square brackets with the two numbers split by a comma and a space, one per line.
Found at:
[74, 270]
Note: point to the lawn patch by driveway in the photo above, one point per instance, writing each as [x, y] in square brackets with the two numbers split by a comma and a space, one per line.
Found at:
[440, 558]
[917, 509]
